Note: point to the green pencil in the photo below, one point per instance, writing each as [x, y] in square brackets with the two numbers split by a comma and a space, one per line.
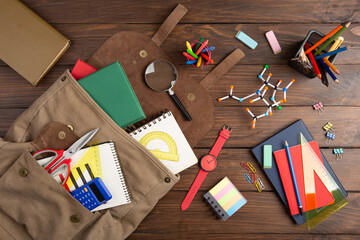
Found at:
[332, 39]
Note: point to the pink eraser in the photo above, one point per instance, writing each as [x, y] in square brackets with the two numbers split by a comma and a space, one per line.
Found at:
[274, 44]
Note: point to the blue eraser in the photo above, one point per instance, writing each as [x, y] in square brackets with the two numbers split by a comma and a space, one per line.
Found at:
[248, 41]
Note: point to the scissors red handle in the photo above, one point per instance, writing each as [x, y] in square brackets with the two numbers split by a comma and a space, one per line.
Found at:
[56, 163]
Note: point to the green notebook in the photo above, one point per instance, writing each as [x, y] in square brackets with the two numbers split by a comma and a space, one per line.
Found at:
[112, 91]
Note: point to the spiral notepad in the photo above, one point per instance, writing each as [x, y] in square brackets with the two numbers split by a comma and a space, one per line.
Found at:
[164, 138]
[100, 161]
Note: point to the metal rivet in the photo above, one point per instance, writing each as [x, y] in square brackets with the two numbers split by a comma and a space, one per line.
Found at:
[70, 127]
[167, 180]
[63, 78]
[62, 135]
[143, 54]
[23, 172]
[75, 218]
[191, 96]
[134, 62]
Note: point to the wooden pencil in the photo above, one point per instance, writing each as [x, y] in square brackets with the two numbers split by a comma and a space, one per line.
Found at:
[324, 39]
[330, 65]
[313, 62]
[331, 39]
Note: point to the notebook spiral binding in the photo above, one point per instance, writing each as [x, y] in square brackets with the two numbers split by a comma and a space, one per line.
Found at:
[152, 122]
[121, 173]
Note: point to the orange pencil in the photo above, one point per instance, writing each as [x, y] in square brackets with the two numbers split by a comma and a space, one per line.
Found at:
[327, 62]
[206, 57]
[201, 47]
[324, 38]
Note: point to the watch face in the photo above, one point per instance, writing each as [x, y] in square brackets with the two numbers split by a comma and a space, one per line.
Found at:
[208, 163]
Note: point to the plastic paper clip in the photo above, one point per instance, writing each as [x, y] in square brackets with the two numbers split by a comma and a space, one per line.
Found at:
[320, 108]
[258, 187]
[252, 175]
[329, 127]
[329, 137]
[251, 167]
[247, 177]
[260, 183]
[338, 152]
[243, 164]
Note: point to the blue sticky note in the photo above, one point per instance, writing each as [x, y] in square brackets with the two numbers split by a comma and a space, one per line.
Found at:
[248, 41]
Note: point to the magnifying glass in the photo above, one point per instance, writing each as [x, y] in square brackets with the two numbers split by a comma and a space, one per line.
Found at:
[161, 76]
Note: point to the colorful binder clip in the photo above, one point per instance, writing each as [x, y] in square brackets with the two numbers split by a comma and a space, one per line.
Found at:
[338, 153]
[247, 177]
[329, 127]
[329, 138]
[260, 183]
[320, 108]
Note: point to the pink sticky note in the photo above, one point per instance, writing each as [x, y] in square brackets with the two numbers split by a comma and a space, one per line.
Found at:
[274, 44]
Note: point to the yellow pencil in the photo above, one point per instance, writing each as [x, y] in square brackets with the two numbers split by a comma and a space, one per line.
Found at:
[336, 45]
[188, 45]
[330, 65]
[199, 62]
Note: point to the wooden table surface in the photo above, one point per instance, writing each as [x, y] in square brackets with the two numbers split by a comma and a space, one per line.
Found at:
[89, 23]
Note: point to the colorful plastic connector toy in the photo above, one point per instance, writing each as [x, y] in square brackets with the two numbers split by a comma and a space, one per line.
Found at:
[260, 93]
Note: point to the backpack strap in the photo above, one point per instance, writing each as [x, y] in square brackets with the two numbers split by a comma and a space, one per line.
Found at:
[169, 24]
[222, 68]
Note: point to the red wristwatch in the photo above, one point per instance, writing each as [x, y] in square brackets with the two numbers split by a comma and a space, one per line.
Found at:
[207, 163]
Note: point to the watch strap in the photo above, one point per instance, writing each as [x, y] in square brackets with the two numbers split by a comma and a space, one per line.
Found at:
[193, 189]
[223, 136]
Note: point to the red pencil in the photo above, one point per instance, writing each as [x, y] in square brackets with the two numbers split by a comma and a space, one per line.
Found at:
[313, 62]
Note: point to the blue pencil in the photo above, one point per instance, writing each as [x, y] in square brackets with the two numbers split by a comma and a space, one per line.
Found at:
[329, 71]
[293, 177]
[331, 53]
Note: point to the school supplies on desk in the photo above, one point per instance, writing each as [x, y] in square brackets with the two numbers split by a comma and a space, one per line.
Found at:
[59, 162]
[161, 76]
[248, 41]
[267, 156]
[291, 134]
[92, 194]
[274, 44]
[198, 53]
[28, 44]
[260, 96]
[111, 90]
[164, 138]
[293, 177]
[82, 69]
[225, 199]
[100, 161]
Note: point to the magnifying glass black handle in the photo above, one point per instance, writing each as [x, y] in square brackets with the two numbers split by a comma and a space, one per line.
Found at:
[182, 108]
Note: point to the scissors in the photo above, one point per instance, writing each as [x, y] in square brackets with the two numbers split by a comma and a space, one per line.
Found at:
[58, 163]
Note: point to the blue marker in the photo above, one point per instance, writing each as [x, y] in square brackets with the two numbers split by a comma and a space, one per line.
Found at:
[293, 177]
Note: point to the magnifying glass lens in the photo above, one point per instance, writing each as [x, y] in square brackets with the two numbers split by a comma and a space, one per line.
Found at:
[161, 75]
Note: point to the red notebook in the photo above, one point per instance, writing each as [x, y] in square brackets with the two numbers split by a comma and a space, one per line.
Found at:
[323, 196]
[82, 69]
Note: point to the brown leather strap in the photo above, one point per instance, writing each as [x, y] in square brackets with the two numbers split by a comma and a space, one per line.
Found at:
[222, 68]
[169, 24]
